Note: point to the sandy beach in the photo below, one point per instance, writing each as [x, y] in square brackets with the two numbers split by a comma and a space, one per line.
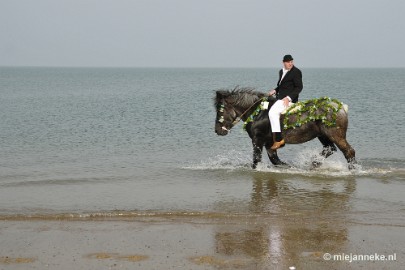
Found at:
[199, 241]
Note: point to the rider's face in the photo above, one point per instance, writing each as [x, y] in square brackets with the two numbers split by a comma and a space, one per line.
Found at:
[288, 65]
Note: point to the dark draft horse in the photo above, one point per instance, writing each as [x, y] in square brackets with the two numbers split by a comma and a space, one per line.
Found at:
[239, 103]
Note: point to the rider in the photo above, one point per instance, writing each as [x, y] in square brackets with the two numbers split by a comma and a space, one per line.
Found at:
[289, 86]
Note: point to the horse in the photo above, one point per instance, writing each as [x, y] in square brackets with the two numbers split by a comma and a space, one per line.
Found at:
[242, 104]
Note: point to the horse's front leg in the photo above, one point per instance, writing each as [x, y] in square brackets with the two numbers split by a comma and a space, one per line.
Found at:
[275, 160]
[257, 153]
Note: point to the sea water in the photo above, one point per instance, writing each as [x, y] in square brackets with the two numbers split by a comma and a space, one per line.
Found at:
[135, 141]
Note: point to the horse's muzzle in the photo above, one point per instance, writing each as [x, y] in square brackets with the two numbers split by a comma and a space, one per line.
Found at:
[221, 131]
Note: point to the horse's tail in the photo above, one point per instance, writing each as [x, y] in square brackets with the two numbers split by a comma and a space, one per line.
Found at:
[346, 108]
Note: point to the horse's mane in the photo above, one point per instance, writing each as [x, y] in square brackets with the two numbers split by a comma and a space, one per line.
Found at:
[239, 96]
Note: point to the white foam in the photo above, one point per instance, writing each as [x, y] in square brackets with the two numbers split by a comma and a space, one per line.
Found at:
[301, 164]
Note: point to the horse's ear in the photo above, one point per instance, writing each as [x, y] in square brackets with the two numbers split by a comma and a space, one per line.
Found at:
[221, 93]
[218, 97]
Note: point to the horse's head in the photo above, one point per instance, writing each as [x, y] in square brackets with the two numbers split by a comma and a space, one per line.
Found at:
[234, 105]
[226, 113]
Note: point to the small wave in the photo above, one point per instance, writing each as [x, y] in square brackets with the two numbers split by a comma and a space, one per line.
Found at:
[55, 181]
[119, 215]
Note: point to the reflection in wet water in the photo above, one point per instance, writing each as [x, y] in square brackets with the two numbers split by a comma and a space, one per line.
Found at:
[289, 219]
[286, 195]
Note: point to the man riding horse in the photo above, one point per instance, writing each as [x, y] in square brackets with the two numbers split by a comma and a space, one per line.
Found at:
[289, 86]
[323, 118]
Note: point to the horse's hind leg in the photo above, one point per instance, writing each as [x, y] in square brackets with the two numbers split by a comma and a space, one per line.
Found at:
[348, 152]
[328, 149]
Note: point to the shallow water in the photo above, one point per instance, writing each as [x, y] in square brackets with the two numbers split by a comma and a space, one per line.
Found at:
[82, 141]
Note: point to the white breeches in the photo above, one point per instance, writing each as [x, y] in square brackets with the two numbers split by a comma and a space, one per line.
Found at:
[274, 115]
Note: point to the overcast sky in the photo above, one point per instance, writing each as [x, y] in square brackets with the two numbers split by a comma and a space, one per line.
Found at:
[202, 33]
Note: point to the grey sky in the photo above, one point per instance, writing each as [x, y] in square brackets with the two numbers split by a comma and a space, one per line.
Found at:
[202, 33]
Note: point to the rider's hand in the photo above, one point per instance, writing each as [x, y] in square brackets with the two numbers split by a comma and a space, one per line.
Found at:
[286, 101]
[272, 92]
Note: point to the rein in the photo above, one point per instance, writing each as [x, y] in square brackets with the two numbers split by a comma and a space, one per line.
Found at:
[237, 120]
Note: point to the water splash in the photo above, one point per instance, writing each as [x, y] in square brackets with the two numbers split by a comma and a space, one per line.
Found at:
[231, 160]
[299, 164]
[333, 166]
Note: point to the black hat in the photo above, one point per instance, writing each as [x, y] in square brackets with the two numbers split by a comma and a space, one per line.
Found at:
[287, 58]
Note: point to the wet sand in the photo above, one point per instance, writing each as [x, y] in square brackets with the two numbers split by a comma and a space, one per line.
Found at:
[197, 241]
[274, 221]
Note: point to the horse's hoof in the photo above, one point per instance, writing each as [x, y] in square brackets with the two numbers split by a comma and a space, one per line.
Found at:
[315, 165]
[283, 165]
[352, 164]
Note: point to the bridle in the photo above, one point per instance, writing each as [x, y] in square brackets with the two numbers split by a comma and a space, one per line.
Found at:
[221, 119]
